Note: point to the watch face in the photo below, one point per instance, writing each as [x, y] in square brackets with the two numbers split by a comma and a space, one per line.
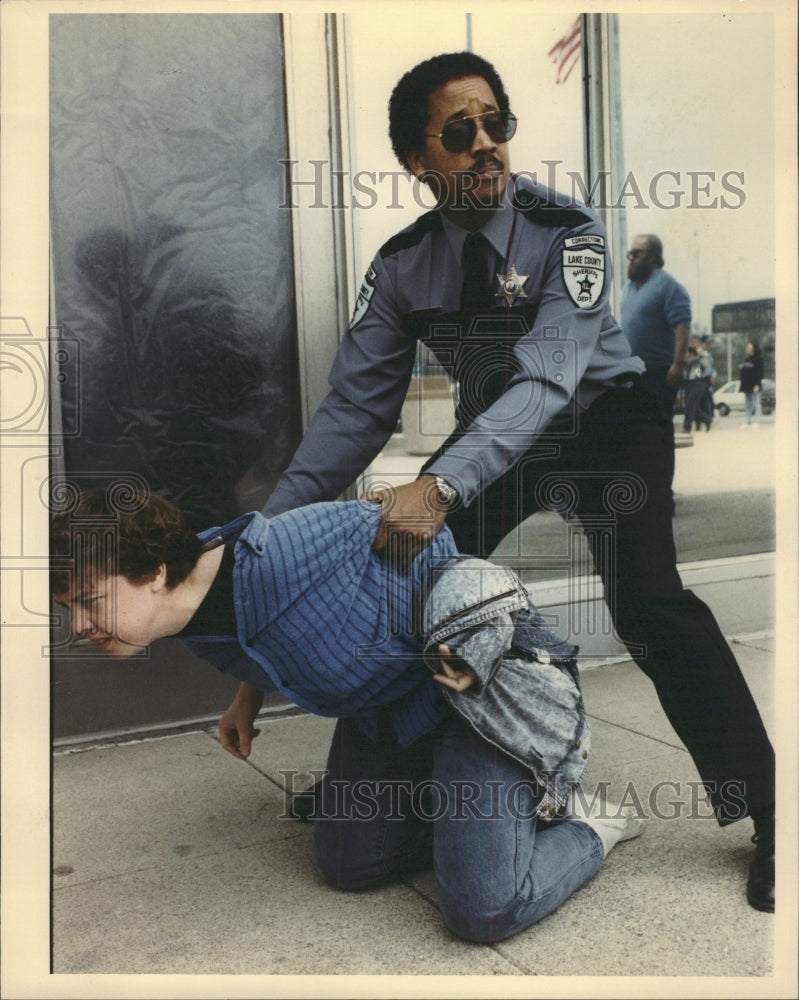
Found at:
[446, 492]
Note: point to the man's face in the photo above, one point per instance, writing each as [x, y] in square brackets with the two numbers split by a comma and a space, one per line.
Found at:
[118, 616]
[472, 180]
[640, 260]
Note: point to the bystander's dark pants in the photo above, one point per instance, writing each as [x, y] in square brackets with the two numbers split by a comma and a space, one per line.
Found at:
[614, 474]
[654, 381]
[696, 405]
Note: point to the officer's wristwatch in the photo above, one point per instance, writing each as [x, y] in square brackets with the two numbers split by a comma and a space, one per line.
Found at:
[446, 494]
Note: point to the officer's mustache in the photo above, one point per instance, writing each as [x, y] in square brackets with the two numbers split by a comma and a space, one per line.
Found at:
[487, 161]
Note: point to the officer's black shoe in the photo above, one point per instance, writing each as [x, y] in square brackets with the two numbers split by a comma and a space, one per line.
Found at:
[760, 887]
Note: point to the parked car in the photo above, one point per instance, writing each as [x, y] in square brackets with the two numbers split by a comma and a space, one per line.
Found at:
[729, 397]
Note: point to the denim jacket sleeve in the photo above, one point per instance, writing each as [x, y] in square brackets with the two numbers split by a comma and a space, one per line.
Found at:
[528, 702]
[471, 607]
[480, 647]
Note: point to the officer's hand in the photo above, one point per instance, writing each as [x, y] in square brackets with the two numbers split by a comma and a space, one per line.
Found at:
[413, 514]
[458, 677]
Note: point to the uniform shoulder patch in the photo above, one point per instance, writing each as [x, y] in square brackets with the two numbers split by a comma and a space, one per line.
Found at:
[364, 297]
[583, 268]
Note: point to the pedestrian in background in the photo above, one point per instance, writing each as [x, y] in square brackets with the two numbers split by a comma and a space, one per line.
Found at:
[698, 408]
[707, 407]
[694, 390]
[751, 375]
[656, 320]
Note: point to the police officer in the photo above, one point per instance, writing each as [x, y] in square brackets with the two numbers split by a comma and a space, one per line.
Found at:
[507, 283]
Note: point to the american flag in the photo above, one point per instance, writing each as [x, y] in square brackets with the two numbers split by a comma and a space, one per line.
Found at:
[566, 52]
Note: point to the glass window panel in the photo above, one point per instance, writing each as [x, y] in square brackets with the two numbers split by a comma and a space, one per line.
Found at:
[172, 259]
[698, 133]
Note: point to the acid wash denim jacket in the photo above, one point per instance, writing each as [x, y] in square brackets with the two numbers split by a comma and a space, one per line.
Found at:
[527, 700]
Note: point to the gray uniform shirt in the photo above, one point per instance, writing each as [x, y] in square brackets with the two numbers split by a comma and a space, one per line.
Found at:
[555, 346]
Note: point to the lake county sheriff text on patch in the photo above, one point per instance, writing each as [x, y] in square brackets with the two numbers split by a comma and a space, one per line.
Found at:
[586, 259]
[584, 268]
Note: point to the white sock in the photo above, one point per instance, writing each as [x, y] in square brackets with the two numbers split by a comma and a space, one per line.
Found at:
[611, 822]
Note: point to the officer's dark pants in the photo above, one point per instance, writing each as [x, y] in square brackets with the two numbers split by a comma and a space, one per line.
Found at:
[614, 474]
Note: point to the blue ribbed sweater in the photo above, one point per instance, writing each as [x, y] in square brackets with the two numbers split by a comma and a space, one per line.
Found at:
[330, 624]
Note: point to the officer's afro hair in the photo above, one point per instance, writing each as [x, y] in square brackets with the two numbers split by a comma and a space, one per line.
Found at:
[407, 107]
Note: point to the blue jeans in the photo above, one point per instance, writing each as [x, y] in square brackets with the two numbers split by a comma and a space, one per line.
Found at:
[453, 801]
[752, 400]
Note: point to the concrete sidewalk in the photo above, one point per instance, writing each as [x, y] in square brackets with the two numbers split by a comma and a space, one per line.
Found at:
[170, 857]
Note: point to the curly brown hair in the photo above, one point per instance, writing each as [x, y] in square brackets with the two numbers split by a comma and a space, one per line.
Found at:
[98, 536]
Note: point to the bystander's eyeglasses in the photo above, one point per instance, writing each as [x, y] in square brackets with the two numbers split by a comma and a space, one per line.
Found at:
[458, 135]
[635, 253]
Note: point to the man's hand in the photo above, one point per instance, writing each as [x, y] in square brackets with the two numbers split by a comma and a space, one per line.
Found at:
[413, 514]
[674, 376]
[676, 373]
[236, 730]
[456, 678]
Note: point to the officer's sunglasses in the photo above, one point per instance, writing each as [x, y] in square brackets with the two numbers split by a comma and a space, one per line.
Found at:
[458, 135]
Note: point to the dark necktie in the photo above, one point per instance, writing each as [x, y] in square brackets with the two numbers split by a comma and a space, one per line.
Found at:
[476, 294]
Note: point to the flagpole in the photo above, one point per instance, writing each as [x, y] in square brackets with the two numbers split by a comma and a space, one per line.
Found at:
[602, 129]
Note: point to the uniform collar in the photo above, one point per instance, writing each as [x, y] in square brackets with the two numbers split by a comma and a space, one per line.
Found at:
[497, 229]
